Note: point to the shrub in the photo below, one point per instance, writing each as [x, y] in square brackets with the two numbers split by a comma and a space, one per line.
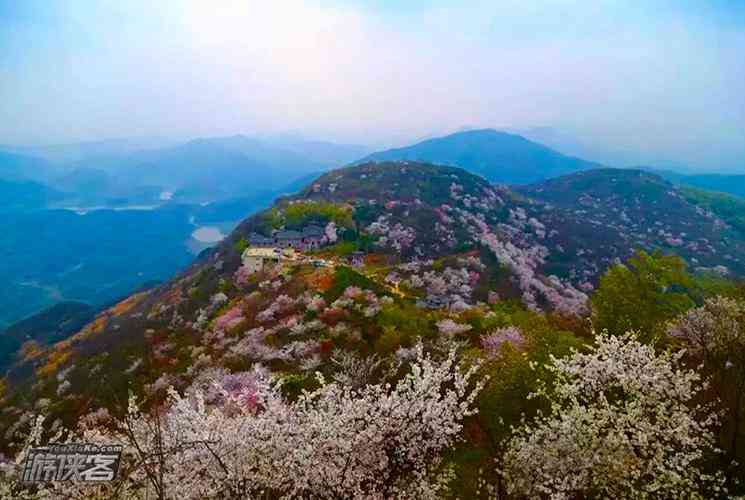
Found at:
[642, 295]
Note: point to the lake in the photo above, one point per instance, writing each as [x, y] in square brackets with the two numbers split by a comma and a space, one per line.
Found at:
[208, 234]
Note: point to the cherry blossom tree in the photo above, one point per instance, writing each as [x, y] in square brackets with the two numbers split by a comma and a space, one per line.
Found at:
[353, 370]
[450, 328]
[715, 334]
[451, 287]
[398, 236]
[524, 261]
[493, 342]
[379, 441]
[229, 319]
[242, 276]
[624, 423]
[315, 303]
[330, 232]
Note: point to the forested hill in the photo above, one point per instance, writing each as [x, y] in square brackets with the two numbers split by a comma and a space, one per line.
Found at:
[360, 345]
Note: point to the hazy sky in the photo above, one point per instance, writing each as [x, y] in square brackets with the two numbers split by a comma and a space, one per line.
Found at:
[654, 80]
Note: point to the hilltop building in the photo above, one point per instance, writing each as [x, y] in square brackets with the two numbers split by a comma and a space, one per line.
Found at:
[308, 238]
[285, 239]
[258, 240]
[313, 237]
[254, 259]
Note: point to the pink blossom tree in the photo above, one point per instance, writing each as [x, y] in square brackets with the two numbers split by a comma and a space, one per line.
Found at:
[494, 342]
[449, 328]
[229, 319]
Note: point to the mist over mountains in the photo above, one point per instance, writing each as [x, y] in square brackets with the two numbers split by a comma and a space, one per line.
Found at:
[154, 171]
[162, 192]
[116, 173]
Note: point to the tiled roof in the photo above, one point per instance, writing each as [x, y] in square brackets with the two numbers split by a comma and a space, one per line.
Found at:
[288, 235]
[256, 237]
[312, 231]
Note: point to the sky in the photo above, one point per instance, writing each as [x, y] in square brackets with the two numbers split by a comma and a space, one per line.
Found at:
[643, 81]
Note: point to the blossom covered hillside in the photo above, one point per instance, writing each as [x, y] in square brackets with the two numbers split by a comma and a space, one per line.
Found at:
[607, 214]
[434, 335]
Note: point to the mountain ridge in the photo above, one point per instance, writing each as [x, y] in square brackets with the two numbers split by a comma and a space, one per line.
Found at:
[404, 210]
[498, 156]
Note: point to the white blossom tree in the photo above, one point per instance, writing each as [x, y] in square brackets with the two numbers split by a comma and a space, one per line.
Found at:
[379, 441]
[623, 424]
[330, 232]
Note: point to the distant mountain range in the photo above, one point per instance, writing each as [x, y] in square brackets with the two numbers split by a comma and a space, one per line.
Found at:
[65, 154]
[49, 256]
[20, 194]
[213, 169]
[153, 172]
[18, 167]
[497, 156]
[127, 172]
[325, 153]
[510, 158]
[207, 170]
[724, 183]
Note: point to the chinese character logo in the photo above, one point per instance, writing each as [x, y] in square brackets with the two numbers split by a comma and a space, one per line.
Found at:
[72, 462]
